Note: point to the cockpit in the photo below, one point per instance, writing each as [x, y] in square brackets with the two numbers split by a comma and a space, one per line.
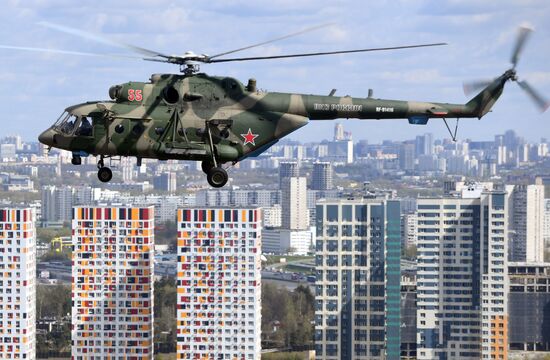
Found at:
[72, 125]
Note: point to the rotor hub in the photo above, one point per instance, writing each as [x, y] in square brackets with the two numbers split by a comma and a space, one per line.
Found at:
[511, 75]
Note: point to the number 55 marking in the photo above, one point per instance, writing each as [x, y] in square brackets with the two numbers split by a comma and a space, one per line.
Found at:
[134, 95]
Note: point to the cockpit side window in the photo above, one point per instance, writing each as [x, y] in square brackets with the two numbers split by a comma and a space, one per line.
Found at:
[84, 127]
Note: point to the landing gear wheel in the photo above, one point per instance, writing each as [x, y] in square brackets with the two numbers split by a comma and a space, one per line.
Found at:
[217, 177]
[76, 160]
[104, 174]
[206, 166]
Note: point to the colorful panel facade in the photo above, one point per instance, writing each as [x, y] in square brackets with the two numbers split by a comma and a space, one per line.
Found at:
[112, 288]
[219, 284]
[17, 284]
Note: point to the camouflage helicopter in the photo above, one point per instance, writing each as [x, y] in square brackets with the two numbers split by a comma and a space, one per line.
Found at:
[219, 120]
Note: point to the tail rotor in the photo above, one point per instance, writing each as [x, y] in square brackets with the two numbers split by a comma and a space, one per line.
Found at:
[541, 102]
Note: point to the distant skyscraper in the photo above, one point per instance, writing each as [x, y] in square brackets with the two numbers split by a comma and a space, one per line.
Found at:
[15, 140]
[219, 284]
[340, 151]
[7, 152]
[526, 222]
[113, 254]
[286, 170]
[322, 176]
[57, 204]
[17, 284]
[357, 302]
[165, 182]
[511, 140]
[406, 156]
[528, 304]
[461, 278]
[339, 132]
[294, 204]
[424, 144]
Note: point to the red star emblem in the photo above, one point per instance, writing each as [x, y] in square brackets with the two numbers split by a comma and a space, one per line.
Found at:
[249, 137]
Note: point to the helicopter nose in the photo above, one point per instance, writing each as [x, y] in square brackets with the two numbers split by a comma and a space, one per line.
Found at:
[46, 137]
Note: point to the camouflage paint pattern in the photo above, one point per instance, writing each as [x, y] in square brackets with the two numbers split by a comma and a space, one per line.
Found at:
[167, 118]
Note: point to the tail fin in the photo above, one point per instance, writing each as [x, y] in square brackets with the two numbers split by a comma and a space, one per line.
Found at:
[482, 103]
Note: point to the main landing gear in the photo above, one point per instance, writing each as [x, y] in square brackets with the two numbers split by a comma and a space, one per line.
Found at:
[215, 175]
[104, 174]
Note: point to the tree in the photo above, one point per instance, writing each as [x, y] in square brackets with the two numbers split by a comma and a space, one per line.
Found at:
[53, 301]
[287, 316]
[165, 311]
[410, 252]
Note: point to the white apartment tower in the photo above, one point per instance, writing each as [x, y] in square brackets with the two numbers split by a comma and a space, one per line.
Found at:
[409, 229]
[295, 215]
[112, 311]
[219, 284]
[17, 283]
[546, 226]
[462, 277]
[526, 211]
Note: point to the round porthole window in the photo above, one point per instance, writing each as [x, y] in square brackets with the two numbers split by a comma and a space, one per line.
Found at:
[137, 129]
[119, 129]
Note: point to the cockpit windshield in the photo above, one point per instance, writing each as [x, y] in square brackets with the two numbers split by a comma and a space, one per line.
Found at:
[69, 124]
[65, 123]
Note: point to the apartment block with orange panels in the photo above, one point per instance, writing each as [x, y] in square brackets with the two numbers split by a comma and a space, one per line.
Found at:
[17, 283]
[112, 285]
[219, 284]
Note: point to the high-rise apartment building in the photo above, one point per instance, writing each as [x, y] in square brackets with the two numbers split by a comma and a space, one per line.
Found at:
[528, 304]
[546, 225]
[357, 302]
[424, 144]
[17, 284]
[526, 211]
[219, 284]
[406, 156]
[462, 277]
[409, 229]
[166, 181]
[322, 176]
[288, 169]
[57, 203]
[339, 133]
[113, 258]
[294, 204]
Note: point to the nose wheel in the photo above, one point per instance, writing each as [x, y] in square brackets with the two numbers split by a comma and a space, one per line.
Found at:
[76, 160]
[217, 177]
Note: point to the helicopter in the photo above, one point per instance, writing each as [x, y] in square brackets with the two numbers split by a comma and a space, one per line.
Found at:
[218, 120]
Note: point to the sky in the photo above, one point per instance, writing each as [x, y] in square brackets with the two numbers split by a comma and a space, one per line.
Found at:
[35, 88]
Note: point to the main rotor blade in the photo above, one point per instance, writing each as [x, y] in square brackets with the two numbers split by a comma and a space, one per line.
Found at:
[324, 53]
[101, 39]
[523, 35]
[473, 86]
[66, 52]
[306, 30]
[540, 101]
